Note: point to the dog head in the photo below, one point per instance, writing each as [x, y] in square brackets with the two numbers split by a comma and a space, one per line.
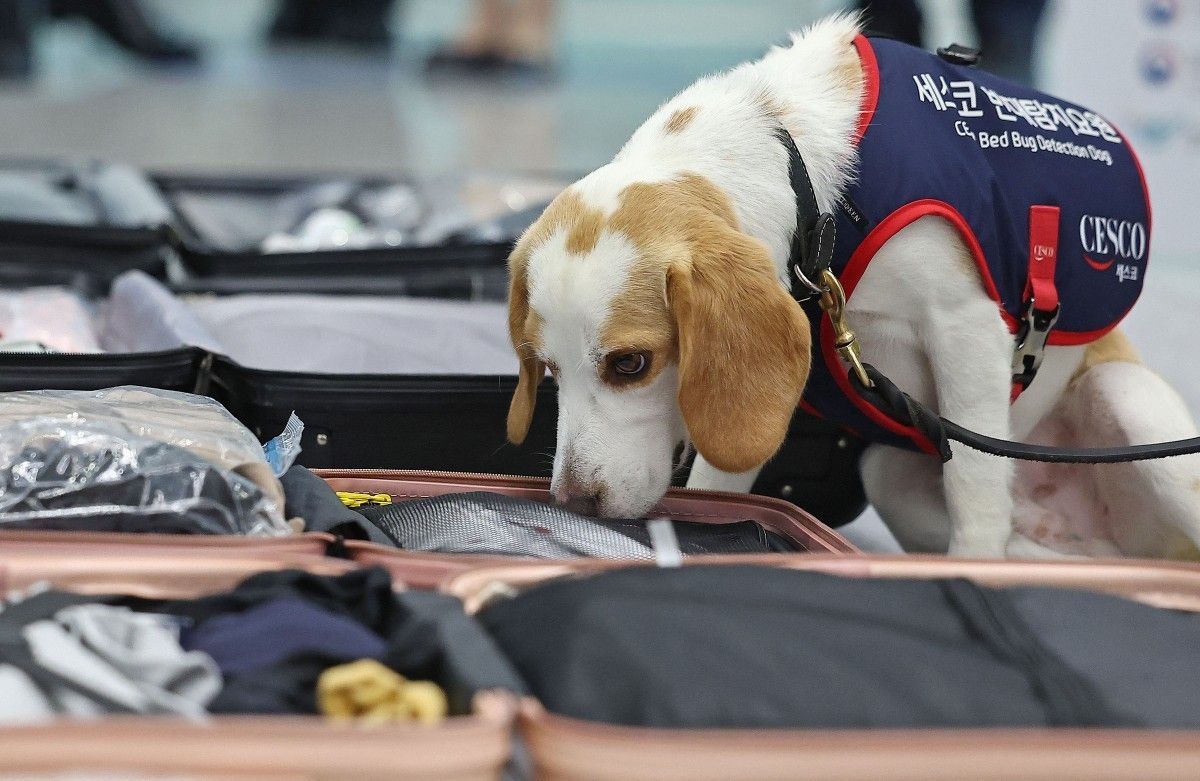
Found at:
[661, 323]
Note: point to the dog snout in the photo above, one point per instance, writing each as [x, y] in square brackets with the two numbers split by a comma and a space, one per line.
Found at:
[578, 496]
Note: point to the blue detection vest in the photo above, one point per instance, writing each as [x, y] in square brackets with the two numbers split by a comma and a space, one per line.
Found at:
[1048, 196]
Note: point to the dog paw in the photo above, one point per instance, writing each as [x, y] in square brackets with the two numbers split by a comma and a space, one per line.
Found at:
[1021, 547]
[978, 549]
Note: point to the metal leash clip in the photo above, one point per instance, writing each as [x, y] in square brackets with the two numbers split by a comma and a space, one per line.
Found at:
[1033, 331]
[833, 302]
[813, 288]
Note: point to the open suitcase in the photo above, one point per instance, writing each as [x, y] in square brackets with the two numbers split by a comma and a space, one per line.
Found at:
[472, 746]
[88, 221]
[79, 222]
[800, 530]
[96, 556]
[443, 238]
[163, 566]
[399, 382]
[564, 748]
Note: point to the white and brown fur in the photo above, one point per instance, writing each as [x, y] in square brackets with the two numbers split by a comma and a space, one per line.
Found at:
[679, 248]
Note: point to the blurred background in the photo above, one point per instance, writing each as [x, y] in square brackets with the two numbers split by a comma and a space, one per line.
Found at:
[374, 85]
[430, 86]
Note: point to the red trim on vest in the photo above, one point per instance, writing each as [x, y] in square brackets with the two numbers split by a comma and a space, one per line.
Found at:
[870, 99]
[853, 273]
[810, 409]
[909, 213]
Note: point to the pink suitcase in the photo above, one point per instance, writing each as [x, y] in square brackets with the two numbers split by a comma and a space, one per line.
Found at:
[429, 569]
[566, 749]
[472, 747]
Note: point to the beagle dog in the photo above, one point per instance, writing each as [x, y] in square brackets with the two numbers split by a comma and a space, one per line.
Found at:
[658, 292]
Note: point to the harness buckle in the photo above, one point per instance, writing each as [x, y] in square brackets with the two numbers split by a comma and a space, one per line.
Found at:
[833, 302]
[1032, 333]
[815, 252]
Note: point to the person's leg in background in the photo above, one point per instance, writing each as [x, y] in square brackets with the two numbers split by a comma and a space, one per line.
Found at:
[130, 26]
[479, 45]
[529, 43]
[17, 21]
[515, 36]
[898, 19]
[1007, 30]
[354, 22]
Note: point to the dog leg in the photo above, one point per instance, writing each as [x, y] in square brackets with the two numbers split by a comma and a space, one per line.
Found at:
[706, 476]
[969, 350]
[905, 488]
[1150, 508]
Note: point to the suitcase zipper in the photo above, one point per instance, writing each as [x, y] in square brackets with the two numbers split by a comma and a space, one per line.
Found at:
[521, 480]
[812, 524]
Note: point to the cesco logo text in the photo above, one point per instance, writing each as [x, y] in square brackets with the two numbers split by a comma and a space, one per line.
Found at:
[1109, 236]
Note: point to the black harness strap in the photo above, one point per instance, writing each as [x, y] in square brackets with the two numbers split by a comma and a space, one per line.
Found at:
[816, 231]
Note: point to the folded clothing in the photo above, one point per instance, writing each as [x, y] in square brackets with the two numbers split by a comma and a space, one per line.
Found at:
[311, 499]
[142, 315]
[281, 642]
[55, 317]
[490, 523]
[274, 631]
[66, 474]
[328, 334]
[60, 656]
[743, 647]
[277, 632]
[306, 216]
[85, 193]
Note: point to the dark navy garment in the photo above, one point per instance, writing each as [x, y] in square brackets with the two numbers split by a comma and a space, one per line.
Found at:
[977, 150]
[274, 631]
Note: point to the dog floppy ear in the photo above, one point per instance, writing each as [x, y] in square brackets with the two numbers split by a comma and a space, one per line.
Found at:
[520, 410]
[743, 350]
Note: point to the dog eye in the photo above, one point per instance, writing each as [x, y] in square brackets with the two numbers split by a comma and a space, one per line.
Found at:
[630, 364]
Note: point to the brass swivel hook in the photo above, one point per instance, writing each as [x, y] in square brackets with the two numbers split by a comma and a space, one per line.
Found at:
[833, 302]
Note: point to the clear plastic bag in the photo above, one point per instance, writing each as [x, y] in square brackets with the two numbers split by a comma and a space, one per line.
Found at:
[64, 473]
[282, 451]
[196, 424]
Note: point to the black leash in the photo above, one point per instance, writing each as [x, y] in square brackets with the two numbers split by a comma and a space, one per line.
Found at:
[811, 254]
[902, 408]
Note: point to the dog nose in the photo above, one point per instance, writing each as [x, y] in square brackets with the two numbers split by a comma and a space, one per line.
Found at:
[578, 496]
[583, 505]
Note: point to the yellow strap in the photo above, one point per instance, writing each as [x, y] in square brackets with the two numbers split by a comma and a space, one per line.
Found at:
[355, 499]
